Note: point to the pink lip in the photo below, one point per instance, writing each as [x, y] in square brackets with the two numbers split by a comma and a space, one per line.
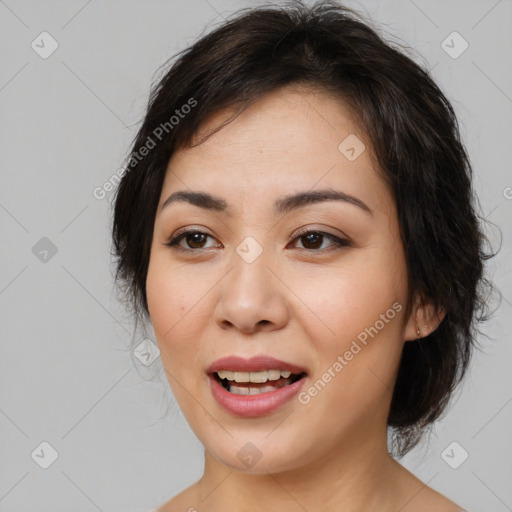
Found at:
[254, 364]
[254, 405]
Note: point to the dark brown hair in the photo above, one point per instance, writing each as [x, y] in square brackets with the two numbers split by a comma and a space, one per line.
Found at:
[416, 142]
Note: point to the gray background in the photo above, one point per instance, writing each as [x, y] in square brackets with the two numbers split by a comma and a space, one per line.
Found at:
[67, 374]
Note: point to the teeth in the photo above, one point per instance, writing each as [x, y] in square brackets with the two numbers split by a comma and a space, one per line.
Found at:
[241, 376]
[244, 390]
[266, 389]
[239, 390]
[256, 377]
[273, 374]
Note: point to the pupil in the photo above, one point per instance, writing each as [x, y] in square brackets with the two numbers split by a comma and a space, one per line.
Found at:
[312, 240]
[194, 239]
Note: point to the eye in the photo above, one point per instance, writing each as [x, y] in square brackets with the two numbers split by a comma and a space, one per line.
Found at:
[314, 238]
[311, 240]
[194, 238]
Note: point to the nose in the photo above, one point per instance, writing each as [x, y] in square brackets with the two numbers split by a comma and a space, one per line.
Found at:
[252, 298]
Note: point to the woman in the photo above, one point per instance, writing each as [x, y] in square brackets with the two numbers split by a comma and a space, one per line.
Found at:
[296, 221]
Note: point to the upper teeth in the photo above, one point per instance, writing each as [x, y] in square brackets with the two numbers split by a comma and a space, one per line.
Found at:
[255, 377]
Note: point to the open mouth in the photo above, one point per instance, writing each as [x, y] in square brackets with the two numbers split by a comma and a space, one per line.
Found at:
[255, 383]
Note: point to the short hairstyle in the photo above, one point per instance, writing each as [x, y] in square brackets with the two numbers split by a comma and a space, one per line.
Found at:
[415, 141]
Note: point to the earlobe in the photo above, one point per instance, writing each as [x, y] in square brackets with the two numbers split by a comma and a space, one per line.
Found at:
[423, 320]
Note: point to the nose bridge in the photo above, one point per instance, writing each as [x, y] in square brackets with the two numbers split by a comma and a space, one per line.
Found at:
[250, 275]
[251, 294]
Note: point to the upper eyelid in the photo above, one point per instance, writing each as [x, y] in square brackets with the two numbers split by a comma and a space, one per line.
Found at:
[300, 231]
[306, 230]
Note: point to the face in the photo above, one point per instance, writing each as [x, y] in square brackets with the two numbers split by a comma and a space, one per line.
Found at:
[318, 285]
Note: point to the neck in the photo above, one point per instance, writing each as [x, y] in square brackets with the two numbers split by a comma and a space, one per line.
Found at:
[359, 475]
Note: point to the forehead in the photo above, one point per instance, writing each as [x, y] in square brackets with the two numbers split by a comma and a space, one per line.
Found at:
[288, 141]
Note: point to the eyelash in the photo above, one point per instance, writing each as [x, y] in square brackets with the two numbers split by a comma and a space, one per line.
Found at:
[338, 242]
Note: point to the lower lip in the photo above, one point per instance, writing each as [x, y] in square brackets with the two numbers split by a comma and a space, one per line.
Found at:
[254, 405]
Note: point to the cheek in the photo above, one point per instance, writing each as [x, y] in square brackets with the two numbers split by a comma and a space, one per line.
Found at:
[179, 303]
[347, 299]
[171, 291]
[362, 305]
[168, 304]
[163, 295]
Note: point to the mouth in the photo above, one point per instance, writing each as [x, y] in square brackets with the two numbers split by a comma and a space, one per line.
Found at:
[256, 383]
[256, 386]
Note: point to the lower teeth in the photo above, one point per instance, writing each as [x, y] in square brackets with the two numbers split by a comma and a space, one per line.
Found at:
[253, 390]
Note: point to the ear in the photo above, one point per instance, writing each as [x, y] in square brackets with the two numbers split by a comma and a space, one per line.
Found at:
[423, 319]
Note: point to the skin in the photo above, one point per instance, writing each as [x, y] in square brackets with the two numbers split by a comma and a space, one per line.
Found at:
[302, 300]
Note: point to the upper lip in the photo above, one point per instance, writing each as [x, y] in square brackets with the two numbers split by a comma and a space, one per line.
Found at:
[254, 364]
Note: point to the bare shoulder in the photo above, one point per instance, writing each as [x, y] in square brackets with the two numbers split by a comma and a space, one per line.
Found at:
[185, 501]
[432, 500]
[419, 497]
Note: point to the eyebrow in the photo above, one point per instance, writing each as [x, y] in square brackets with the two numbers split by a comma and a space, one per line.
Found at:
[282, 205]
